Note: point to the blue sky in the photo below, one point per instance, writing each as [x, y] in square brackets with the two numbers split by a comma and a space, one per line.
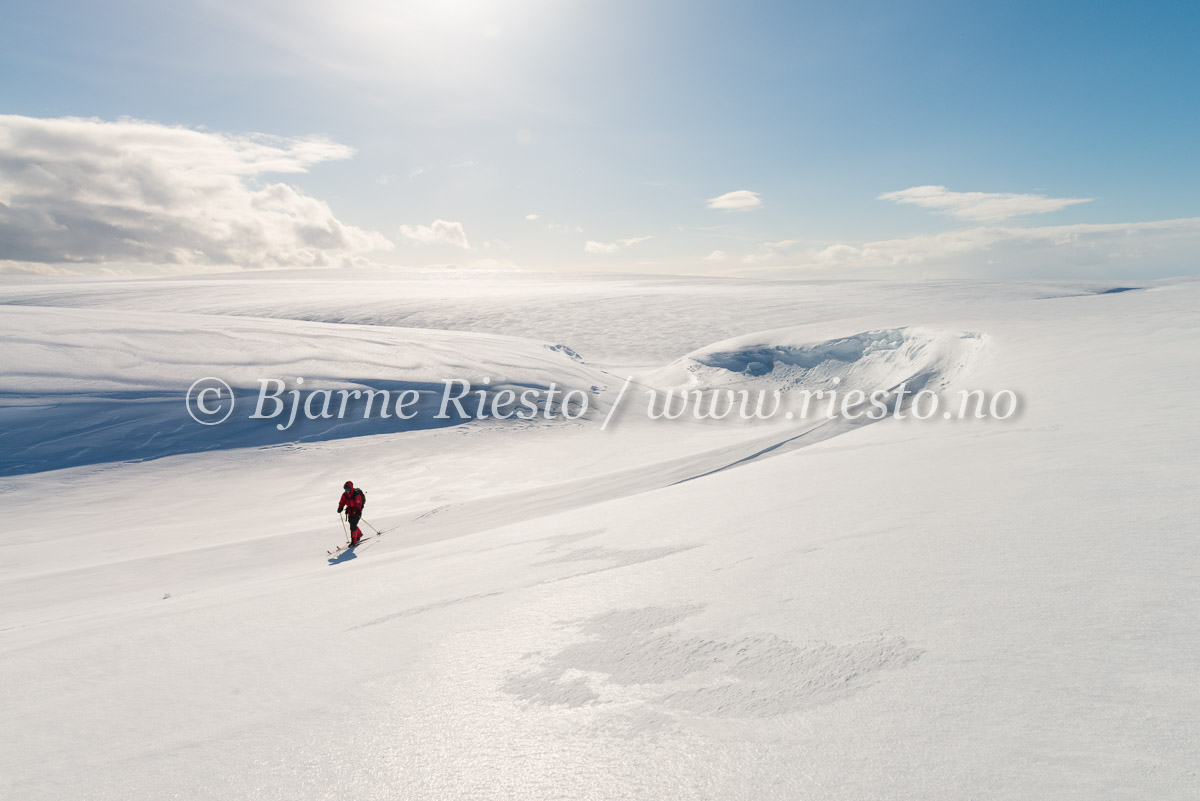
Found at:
[618, 122]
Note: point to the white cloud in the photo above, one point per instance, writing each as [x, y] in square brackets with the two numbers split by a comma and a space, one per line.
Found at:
[717, 255]
[769, 251]
[598, 248]
[741, 200]
[1159, 248]
[440, 232]
[86, 191]
[980, 206]
[532, 216]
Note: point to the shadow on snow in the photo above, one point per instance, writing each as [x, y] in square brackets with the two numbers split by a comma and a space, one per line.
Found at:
[45, 431]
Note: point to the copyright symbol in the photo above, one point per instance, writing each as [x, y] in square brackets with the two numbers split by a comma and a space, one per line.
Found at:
[209, 401]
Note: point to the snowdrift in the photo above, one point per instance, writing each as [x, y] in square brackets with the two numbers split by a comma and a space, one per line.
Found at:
[81, 386]
[787, 359]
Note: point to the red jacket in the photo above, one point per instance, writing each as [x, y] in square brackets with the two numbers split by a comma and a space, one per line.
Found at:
[352, 502]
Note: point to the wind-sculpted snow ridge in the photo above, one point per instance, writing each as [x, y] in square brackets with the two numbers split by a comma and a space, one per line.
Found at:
[782, 359]
[83, 386]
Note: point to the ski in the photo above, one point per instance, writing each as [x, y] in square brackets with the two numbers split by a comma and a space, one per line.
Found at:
[341, 548]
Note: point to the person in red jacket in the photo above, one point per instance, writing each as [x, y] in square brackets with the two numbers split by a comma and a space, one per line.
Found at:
[352, 501]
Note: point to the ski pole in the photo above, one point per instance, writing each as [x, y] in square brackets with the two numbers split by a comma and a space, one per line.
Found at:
[344, 529]
[377, 531]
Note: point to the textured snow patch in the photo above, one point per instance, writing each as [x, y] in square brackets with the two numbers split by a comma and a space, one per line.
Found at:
[766, 675]
[639, 654]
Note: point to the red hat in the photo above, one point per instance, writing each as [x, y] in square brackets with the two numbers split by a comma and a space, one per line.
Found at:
[348, 485]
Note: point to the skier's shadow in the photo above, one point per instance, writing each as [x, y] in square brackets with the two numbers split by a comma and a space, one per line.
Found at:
[344, 556]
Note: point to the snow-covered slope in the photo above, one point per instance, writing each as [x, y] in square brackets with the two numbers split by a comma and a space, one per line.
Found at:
[83, 386]
[646, 320]
[662, 609]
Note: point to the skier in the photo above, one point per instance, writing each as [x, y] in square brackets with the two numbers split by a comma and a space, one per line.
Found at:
[352, 501]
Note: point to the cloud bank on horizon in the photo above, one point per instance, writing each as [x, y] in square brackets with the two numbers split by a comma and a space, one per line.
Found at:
[599, 248]
[87, 192]
[445, 231]
[1082, 250]
[79, 194]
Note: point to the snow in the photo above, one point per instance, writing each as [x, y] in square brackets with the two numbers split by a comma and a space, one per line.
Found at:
[867, 360]
[663, 609]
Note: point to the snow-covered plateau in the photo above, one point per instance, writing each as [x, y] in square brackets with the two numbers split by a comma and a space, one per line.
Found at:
[816, 608]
